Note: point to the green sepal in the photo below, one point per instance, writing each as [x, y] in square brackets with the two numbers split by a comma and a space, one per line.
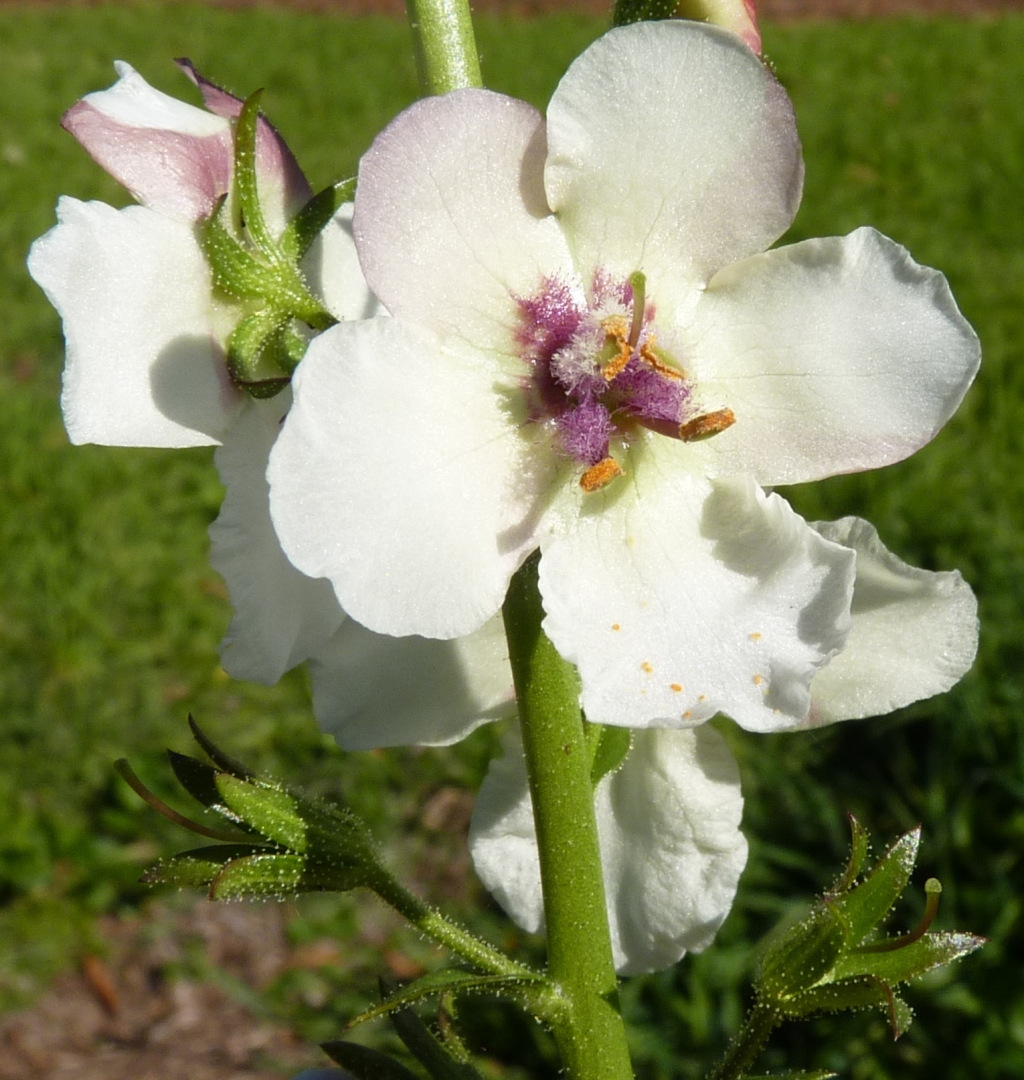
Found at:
[311, 220]
[909, 961]
[267, 808]
[246, 189]
[366, 1064]
[195, 869]
[264, 875]
[859, 846]
[235, 269]
[608, 747]
[252, 362]
[535, 993]
[224, 761]
[196, 777]
[803, 955]
[868, 903]
[428, 1050]
[631, 11]
[861, 992]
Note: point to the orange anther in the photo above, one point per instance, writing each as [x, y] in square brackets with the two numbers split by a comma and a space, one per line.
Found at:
[703, 427]
[600, 474]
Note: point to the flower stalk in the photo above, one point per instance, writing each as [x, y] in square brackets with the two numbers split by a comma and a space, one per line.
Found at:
[446, 54]
[591, 1037]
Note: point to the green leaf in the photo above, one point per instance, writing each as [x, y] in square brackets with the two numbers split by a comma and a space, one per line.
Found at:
[859, 845]
[195, 869]
[799, 1074]
[366, 1064]
[428, 1050]
[259, 876]
[899, 965]
[868, 903]
[457, 982]
[310, 221]
[269, 809]
[608, 747]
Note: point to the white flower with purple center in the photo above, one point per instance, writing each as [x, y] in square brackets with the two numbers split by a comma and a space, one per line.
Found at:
[592, 352]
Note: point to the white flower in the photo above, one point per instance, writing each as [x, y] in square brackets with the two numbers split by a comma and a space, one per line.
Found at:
[668, 822]
[145, 333]
[517, 400]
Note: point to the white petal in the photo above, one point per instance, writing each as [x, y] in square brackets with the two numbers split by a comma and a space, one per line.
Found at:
[134, 292]
[332, 270]
[170, 155]
[835, 355]
[679, 598]
[281, 617]
[672, 150]
[371, 690]
[668, 824]
[915, 632]
[450, 216]
[401, 475]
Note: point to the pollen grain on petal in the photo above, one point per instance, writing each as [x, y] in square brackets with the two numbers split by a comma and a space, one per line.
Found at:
[755, 636]
[758, 679]
[616, 626]
[646, 668]
[703, 427]
[597, 476]
[675, 688]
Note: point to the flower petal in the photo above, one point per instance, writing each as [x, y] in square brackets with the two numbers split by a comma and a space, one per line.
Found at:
[281, 617]
[371, 690]
[668, 825]
[134, 292]
[679, 598]
[170, 155]
[450, 217]
[331, 267]
[672, 150]
[402, 476]
[835, 355]
[283, 188]
[915, 632]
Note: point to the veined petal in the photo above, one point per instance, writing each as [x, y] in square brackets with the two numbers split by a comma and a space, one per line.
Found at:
[134, 292]
[371, 690]
[450, 217]
[835, 355]
[170, 155]
[915, 632]
[332, 270]
[680, 598]
[672, 150]
[401, 475]
[282, 186]
[668, 825]
[281, 617]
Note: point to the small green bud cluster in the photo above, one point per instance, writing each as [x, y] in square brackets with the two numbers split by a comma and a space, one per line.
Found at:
[261, 273]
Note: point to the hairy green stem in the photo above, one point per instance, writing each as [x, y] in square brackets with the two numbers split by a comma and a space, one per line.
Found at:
[430, 922]
[591, 1036]
[761, 1021]
[446, 53]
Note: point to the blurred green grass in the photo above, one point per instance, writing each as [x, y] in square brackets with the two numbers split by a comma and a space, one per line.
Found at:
[110, 616]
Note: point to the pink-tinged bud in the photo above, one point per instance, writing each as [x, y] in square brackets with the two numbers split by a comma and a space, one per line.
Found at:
[739, 16]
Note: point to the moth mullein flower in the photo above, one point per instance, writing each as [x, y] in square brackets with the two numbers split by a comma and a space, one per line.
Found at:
[146, 332]
[592, 352]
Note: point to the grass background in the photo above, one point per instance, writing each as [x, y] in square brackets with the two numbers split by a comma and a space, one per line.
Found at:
[110, 615]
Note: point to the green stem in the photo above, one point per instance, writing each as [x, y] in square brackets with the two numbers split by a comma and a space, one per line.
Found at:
[591, 1037]
[430, 922]
[743, 1050]
[446, 53]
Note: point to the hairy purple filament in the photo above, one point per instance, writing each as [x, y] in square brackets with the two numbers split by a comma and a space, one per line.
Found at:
[590, 377]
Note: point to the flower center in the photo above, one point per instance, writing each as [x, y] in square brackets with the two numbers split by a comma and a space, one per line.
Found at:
[597, 375]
